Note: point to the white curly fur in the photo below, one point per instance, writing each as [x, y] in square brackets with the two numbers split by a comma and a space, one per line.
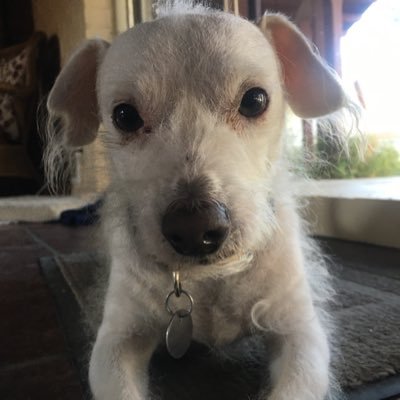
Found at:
[186, 73]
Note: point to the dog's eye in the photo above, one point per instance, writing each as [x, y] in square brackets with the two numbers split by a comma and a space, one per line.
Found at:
[254, 102]
[126, 118]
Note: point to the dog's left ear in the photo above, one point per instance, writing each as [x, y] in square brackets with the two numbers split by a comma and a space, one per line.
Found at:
[312, 90]
[73, 96]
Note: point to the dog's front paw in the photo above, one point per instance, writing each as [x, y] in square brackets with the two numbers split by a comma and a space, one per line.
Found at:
[301, 395]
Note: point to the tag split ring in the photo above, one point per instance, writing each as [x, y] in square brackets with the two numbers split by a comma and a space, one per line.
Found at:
[184, 292]
[177, 284]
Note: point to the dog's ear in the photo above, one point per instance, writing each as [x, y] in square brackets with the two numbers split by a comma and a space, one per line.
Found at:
[73, 96]
[312, 90]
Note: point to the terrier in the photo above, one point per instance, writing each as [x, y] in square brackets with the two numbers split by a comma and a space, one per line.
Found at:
[200, 205]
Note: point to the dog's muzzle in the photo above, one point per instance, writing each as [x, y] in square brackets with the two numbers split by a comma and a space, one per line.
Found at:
[196, 231]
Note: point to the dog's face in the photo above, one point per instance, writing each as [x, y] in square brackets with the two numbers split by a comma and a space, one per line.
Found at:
[194, 107]
[188, 79]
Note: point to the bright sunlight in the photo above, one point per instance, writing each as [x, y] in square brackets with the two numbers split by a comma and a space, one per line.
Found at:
[371, 61]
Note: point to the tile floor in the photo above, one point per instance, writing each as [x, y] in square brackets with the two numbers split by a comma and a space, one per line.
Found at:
[35, 362]
[34, 359]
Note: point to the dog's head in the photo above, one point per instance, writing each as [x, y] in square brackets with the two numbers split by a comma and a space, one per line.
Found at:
[193, 104]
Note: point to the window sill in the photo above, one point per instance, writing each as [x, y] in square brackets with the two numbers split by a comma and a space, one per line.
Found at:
[363, 210]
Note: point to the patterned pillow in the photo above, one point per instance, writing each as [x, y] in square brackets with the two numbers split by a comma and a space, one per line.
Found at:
[13, 71]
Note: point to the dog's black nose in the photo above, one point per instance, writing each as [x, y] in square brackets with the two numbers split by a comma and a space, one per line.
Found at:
[196, 231]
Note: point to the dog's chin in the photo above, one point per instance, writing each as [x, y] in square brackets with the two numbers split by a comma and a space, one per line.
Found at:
[212, 266]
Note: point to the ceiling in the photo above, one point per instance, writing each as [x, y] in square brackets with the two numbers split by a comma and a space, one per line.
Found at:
[352, 9]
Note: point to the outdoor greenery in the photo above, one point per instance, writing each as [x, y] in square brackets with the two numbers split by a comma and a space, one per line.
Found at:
[362, 160]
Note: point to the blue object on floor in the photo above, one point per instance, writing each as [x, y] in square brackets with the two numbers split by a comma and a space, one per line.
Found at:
[86, 215]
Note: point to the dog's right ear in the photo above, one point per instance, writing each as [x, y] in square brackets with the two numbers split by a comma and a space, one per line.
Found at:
[73, 96]
[312, 90]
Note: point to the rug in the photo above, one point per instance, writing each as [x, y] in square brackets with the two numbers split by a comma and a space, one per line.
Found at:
[367, 312]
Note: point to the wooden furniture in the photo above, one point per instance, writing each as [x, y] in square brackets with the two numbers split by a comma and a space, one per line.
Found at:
[22, 97]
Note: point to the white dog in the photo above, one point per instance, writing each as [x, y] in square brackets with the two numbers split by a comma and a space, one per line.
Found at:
[194, 106]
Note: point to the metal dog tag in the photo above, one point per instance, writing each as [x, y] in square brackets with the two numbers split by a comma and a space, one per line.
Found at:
[179, 333]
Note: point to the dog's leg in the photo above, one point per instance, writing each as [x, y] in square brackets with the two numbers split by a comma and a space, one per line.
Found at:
[118, 367]
[125, 343]
[301, 372]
